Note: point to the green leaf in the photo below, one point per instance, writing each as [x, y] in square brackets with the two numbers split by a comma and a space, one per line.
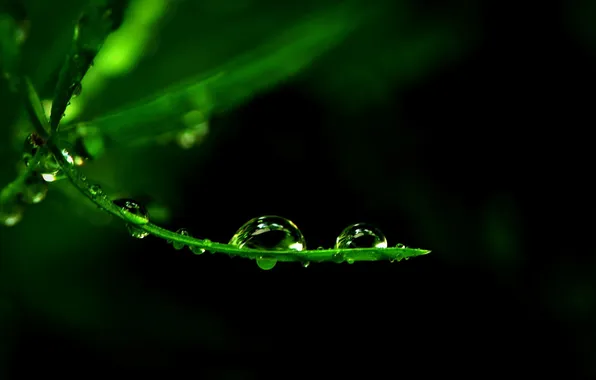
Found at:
[283, 56]
[90, 32]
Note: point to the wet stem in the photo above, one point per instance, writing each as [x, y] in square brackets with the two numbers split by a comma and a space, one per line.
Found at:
[80, 182]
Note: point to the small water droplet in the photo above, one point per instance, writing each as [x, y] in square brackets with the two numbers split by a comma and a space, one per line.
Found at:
[305, 264]
[320, 248]
[178, 245]
[266, 263]
[136, 232]
[95, 190]
[350, 260]
[33, 142]
[400, 245]
[337, 257]
[11, 214]
[361, 235]
[269, 233]
[35, 189]
[197, 250]
[132, 211]
[53, 175]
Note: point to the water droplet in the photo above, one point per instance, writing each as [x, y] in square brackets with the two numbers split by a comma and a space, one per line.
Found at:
[269, 233]
[178, 245]
[266, 263]
[361, 235]
[136, 232]
[350, 260]
[400, 245]
[11, 214]
[31, 146]
[95, 190]
[305, 264]
[35, 189]
[197, 250]
[53, 175]
[337, 257]
[132, 211]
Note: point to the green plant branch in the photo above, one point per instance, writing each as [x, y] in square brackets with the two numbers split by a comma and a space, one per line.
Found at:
[319, 255]
[104, 202]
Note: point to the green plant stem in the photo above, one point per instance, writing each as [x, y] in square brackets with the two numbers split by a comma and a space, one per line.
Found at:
[105, 203]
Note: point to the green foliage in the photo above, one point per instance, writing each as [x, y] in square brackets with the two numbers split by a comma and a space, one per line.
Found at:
[56, 149]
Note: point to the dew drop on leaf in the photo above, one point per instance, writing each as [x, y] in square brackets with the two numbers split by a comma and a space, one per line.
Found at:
[269, 233]
[197, 250]
[35, 189]
[11, 214]
[361, 235]
[177, 245]
[132, 211]
[136, 232]
[400, 245]
[95, 190]
[266, 263]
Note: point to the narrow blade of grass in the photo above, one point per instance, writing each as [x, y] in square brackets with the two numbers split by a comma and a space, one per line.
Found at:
[98, 20]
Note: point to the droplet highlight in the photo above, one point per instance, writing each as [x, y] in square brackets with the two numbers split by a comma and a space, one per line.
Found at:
[35, 189]
[136, 232]
[131, 210]
[11, 214]
[269, 233]
[361, 235]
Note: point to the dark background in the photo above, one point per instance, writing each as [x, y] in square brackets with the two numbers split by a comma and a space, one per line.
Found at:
[461, 127]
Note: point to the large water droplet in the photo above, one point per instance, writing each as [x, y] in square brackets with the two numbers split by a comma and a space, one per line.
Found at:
[132, 211]
[136, 232]
[35, 189]
[269, 233]
[361, 235]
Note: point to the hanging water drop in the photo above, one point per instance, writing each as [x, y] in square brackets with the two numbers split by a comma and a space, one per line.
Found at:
[269, 233]
[197, 250]
[305, 264]
[136, 232]
[132, 211]
[33, 142]
[11, 214]
[35, 189]
[350, 260]
[266, 263]
[361, 235]
[89, 144]
[177, 245]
